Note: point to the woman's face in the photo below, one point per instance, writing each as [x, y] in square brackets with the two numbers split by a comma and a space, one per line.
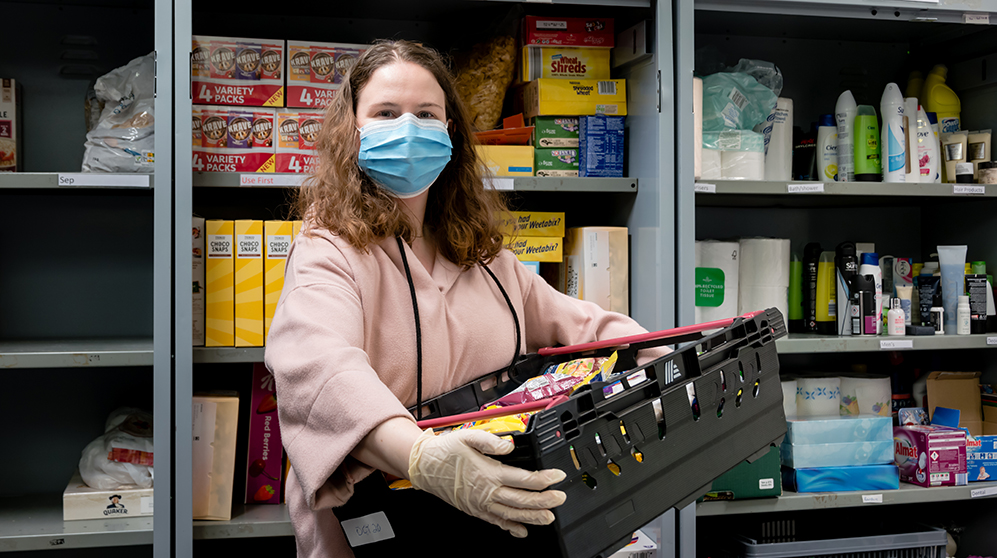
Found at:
[398, 88]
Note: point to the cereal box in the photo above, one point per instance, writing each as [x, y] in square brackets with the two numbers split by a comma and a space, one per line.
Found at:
[565, 63]
[197, 279]
[10, 133]
[233, 140]
[297, 137]
[249, 283]
[316, 70]
[277, 245]
[506, 160]
[573, 97]
[555, 131]
[195, 128]
[601, 146]
[532, 223]
[79, 501]
[236, 71]
[263, 464]
[568, 31]
[557, 162]
[219, 302]
[536, 248]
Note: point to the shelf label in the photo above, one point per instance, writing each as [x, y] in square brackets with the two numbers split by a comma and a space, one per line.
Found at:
[145, 505]
[368, 529]
[500, 183]
[83, 179]
[805, 188]
[267, 179]
[703, 188]
[981, 492]
[969, 189]
[991, 340]
[872, 498]
[766, 484]
[976, 19]
[896, 344]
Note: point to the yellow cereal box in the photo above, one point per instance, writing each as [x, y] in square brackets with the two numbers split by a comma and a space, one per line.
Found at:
[297, 228]
[574, 97]
[279, 235]
[506, 160]
[218, 271]
[248, 283]
[532, 223]
[565, 62]
[536, 248]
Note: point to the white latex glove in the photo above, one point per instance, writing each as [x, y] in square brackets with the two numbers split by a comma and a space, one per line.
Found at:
[456, 468]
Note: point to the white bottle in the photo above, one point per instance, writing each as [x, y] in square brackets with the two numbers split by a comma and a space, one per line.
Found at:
[927, 148]
[893, 145]
[896, 318]
[910, 127]
[827, 146]
[962, 316]
[870, 266]
[844, 115]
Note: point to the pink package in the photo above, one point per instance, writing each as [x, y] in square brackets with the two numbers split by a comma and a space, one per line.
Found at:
[930, 455]
[265, 455]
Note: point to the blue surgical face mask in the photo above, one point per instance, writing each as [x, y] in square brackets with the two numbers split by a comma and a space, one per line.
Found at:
[405, 155]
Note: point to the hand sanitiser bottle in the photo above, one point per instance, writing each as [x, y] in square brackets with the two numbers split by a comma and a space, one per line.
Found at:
[894, 141]
[895, 319]
[927, 148]
[866, 147]
[827, 148]
[844, 115]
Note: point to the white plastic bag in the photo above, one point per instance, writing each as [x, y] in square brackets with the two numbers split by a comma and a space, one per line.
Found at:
[126, 429]
[123, 139]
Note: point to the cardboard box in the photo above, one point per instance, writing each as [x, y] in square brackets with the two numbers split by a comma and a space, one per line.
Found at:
[930, 455]
[11, 157]
[573, 97]
[842, 479]
[568, 31]
[981, 458]
[957, 390]
[79, 501]
[532, 223]
[296, 228]
[640, 546]
[597, 266]
[560, 62]
[279, 235]
[555, 131]
[536, 248]
[297, 135]
[760, 479]
[219, 282]
[197, 280]
[556, 162]
[233, 140]
[265, 453]
[316, 70]
[215, 427]
[248, 283]
[506, 160]
[600, 146]
[236, 71]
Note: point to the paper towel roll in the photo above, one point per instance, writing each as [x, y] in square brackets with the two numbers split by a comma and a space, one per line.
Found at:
[710, 165]
[742, 165]
[789, 388]
[697, 125]
[818, 397]
[779, 142]
[763, 275]
[761, 297]
[874, 394]
[716, 280]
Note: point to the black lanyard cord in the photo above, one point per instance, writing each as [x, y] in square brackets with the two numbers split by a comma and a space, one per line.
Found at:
[515, 317]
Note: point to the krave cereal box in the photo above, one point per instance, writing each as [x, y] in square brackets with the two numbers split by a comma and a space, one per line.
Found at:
[237, 71]
[233, 139]
[316, 70]
[297, 139]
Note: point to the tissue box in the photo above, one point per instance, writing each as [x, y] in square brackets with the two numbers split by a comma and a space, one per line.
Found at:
[79, 501]
[931, 455]
[506, 160]
[600, 146]
[839, 429]
[640, 546]
[532, 223]
[573, 97]
[555, 131]
[557, 162]
[800, 456]
[841, 479]
[981, 458]
[749, 480]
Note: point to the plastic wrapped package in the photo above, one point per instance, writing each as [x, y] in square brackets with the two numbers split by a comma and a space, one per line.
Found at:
[123, 455]
[765, 73]
[711, 164]
[742, 153]
[482, 78]
[123, 139]
[734, 101]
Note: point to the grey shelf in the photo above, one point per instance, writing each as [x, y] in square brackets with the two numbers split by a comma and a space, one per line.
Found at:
[888, 10]
[228, 354]
[859, 189]
[75, 353]
[35, 523]
[74, 181]
[247, 522]
[794, 501]
[797, 343]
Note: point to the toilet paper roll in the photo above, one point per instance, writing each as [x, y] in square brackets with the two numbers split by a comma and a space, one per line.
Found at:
[849, 400]
[873, 394]
[710, 165]
[742, 165]
[716, 280]
[760, 297]
[763, 275]
[789, 388]
[818, 397]
[779, 142]
[697, 125]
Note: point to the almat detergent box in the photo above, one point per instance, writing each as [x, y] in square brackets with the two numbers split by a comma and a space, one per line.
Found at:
[316, 70]
[297, 138]
[233, 140]
[565, 63]
[568, 31]
[573, 97]
[277, 245]
[532, 223]
[981, 458]
[219, 282]
[536, 248]
[236, 71]
[248, 283]
[265, 452]
[931, 455]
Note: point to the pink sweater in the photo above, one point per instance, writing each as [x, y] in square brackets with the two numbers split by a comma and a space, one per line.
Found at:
[342, 348]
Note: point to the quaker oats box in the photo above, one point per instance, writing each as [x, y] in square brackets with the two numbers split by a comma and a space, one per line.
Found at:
[297, 140]
[79, 501]
[10, 115]
[234, 140]
[316, 70]
[237, 71]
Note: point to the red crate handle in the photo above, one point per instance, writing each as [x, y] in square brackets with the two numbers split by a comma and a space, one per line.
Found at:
[454, 420]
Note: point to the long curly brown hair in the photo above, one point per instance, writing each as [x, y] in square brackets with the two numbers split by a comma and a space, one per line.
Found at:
[461, 213]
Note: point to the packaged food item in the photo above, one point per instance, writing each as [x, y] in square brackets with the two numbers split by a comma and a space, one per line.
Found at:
[237, 71]
[233, 140]
[565, 63]
[506, 160]
[197, 279]
[560, 379]
[123, 455]
[555, 131]
[573, 97]
[264, 453]
[482, 77]
[219, 301]
[316, 70]
[536, 248]
[124, 138]
[297, 136]
[80, 501]
[277, 245]
[532, 223]
[600, 146]
[568, 31]
[196, 132]
[557, 162]
[249, 283]
[215, 420]
[10, 138]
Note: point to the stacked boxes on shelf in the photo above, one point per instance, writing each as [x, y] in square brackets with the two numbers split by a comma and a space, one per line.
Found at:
[534, 236]
[316, 70]
[234, 71]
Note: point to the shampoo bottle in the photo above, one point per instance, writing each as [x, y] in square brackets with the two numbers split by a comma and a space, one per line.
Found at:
[927, 148]
[795, 318]
[847, 266]
[811, 255]
[844, 115]
[866, 148]
[827, 148]
[941, 100]
[891, 106]
[870, 266]
[826, 303]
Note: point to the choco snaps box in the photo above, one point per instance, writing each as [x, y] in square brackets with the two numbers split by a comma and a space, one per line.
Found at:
[233, 139]
[236, 71]
[930, 455]
[263, 464]
[316, 70]
[297, 139]
[79, 501]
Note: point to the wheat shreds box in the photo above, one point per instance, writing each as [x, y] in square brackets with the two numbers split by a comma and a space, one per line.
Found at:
[234, 71]
[316, 70]
[297, 139]
[233, 139]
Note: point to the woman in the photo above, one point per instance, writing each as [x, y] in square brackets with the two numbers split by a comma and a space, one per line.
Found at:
[399, 290]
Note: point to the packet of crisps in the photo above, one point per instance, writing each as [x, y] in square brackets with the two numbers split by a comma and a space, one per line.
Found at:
[558, 380]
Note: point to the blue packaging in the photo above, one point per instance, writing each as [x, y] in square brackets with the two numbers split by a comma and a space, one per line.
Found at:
[600, 146]
[981, 458]
[839, 429]
[800, 456]
[842, 479]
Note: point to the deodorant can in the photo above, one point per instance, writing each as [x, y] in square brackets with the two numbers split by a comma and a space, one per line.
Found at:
[863, 310]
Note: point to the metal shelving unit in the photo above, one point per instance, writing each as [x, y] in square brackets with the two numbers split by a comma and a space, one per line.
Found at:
[35, 523]
[228, 354]
[799, 343]
[74, 180]
[75, 353]
[858, 189]
[248, 521]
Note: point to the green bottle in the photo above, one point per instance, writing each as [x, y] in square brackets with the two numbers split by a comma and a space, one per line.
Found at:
[795, 318]
[867, 160]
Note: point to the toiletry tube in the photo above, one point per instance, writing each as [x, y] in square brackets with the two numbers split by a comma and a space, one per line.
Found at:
[976, 286]
[811, 254]
[894, 142]
[818, 397]
[903, 272]
[866, 146]
[927, 288]
[779, 142]
[910, 132]
[716, 280]
[827, 305]
[849, 404]
[710, 165]
[789, 397]
[953, 263]
[927, 149]
[904, 293]
[870, 266]
[763, 278]
[844, 116]
[874, 394]
[697, 123]
[954, 147]
[846, 266]
[978, 150]
[795, 319]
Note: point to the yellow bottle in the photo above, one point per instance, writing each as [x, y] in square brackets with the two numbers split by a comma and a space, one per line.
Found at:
[827, 302]
[939, 98]
[915, 83]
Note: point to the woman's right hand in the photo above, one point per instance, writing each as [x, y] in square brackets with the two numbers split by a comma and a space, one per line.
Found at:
[456, 468]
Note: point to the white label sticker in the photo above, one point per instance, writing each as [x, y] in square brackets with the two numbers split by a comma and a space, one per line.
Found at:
[981, 492]
[500, 183]
[268, 179]
[97, 179]
[766, 484]
[637, 378]
[805, 188]
[991, 340]
[872, 498]
[612, 389]
[219, 246]
[250, 246]
[969, 189]
[897, 344]
[703, 188]
[368, 529]
[278, 246]
[145, 505]
[976, 19]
